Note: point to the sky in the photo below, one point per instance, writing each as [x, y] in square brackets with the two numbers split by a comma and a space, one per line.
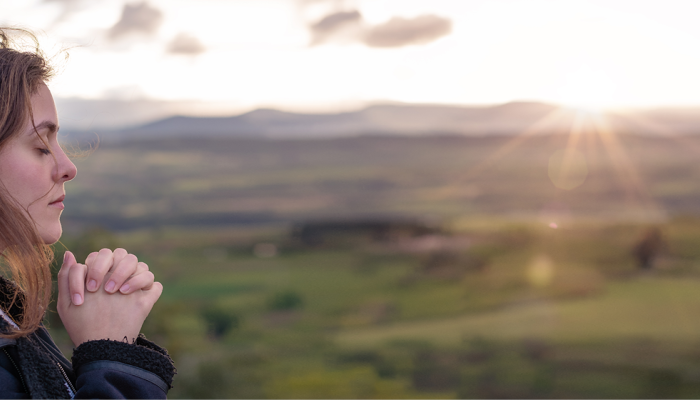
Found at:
[134, 61]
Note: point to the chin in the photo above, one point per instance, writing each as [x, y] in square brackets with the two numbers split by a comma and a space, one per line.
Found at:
[51, 236]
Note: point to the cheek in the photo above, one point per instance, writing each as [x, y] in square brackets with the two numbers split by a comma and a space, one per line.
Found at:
[25, 183]
[26, 176]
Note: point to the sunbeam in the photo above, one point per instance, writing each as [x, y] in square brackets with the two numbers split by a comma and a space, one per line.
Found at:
[540, 126]
[571, 165]
[623, 166]
[567, 168]
[660, 130]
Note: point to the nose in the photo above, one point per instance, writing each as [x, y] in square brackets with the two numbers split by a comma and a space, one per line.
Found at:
[65, 170]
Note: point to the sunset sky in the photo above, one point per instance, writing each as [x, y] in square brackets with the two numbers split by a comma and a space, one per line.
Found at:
[136, 61]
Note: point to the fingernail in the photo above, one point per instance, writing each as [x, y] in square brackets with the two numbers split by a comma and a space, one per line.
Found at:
[65, 255]
[77, 299]
[92, 285]
[110, 286]
[124, 288]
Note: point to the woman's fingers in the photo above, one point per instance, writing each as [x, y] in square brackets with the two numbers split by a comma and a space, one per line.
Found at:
[91, 258]
[71, 280]
[98, 265]
[119, 255]
[121, 272]
[153, 294]
[64, 292]
[142, 280]
[76, 283]
[117, 270]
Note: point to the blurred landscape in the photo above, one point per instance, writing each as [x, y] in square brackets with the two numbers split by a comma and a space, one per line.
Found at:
[408, 252]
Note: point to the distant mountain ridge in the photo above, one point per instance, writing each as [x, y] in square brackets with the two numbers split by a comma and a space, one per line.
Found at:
[403, 119]
[377, 119]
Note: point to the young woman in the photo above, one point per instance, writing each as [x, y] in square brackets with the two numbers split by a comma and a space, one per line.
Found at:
[102, 303]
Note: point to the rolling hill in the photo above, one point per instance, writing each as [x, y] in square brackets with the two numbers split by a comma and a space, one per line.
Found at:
[401, 120]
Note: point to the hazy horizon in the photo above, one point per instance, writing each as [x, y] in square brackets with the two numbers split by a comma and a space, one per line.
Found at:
[116, 114]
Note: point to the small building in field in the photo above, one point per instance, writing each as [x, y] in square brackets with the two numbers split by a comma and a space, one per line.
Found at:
[356, 231]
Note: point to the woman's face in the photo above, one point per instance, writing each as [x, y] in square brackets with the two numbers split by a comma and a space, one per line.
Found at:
[32, 174]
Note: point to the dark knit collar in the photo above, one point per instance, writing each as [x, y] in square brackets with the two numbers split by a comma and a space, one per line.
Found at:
[43, 376]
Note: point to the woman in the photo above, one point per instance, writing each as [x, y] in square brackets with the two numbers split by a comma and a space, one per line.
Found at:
[102, 303]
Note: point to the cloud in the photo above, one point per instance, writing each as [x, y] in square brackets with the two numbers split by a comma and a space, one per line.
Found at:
[349, 26]
[347, 22]
[186, 44]
[137, 18]
[399, 32]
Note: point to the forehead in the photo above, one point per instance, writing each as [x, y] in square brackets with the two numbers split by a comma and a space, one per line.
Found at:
[43, 108]
[42, 102]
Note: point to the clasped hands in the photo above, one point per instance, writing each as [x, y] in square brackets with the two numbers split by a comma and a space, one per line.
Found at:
[108, 297]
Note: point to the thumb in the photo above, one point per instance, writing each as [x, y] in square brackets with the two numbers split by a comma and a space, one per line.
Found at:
[63, 273]
[68, 259]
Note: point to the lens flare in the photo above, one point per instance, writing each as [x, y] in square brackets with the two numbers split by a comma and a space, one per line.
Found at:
[568, 168]
[540, 272]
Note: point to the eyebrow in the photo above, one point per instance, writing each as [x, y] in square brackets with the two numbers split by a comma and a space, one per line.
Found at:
[45, 125]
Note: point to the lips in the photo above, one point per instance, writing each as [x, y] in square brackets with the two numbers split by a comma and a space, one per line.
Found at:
[58, 202]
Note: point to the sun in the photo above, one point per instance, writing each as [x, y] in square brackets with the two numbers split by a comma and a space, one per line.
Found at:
[587, 89]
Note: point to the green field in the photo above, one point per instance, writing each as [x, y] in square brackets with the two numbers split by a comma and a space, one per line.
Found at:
[496, 303]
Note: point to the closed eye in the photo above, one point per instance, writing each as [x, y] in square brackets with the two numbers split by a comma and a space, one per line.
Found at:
[45, 152]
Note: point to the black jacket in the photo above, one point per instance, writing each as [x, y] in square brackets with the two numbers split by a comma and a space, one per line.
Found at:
[33, 366]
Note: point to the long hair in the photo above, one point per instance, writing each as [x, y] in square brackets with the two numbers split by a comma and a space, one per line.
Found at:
[27, 258]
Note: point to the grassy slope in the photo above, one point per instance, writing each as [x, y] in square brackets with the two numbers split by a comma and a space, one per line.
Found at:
[664, 309]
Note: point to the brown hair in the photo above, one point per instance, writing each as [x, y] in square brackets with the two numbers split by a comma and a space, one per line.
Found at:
[26, 257]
